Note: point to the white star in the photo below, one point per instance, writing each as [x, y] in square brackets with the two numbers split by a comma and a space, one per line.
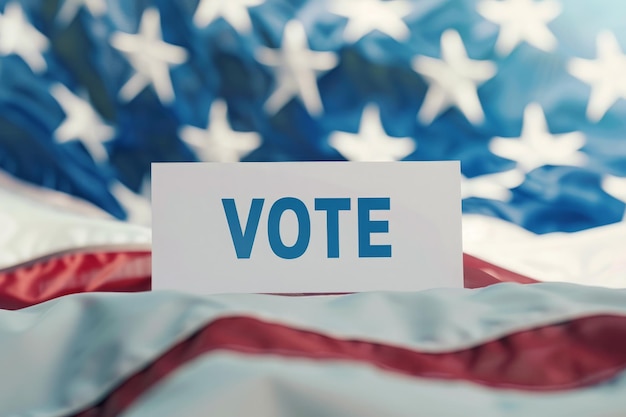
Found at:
[522, 21]
[18, 36]
[453, 80]
[365, 16]
[492, 186]
[537, 147]
[615, 186]
[82, 123]
[137, 207]
[296, 67]
[606, 75]
[219, 142]
[235, 12]
[150, 56]
[371, 142]
[145, 190]
[69, 9]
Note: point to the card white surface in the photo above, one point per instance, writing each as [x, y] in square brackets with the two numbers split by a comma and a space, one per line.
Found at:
[300, 227]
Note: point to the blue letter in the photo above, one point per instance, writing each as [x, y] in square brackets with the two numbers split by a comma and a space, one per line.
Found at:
[367, 227]
[243, 241]
[332, 207]
[304, 228]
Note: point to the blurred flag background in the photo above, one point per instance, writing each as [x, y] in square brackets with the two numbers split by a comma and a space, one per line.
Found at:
[529, 95]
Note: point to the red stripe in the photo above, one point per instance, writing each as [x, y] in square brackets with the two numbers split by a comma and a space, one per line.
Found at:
[569, 355]
[478, 273]
[72, 273]
[78, 272]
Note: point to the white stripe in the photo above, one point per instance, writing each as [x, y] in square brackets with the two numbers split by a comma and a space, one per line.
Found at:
[31, 228]
[229, 384]
[592, 257]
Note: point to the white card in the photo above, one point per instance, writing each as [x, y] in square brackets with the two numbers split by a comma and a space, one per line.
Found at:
[306, 227]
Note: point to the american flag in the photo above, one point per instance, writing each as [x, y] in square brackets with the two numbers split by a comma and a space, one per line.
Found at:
[530, 96]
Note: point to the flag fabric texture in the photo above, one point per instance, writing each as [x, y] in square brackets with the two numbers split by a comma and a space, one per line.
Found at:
[530, 96]
[509, 349]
